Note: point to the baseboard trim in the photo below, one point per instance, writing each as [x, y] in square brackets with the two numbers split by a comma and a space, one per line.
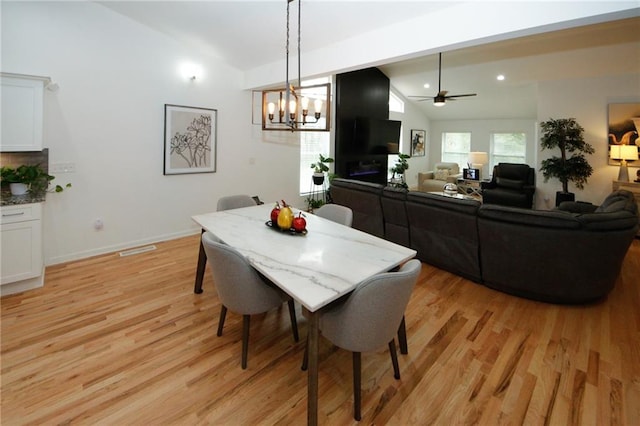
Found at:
[119, 247]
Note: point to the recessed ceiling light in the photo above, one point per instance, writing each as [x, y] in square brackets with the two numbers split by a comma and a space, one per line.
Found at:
[500, 77]
[426, 85]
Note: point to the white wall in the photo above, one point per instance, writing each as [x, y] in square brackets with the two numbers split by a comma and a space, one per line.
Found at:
[587, 101]
[412, 118]
[108, 118]
[481, 131]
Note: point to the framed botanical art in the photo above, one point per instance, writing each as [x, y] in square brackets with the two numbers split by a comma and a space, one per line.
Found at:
[418, 142]
[189, 139]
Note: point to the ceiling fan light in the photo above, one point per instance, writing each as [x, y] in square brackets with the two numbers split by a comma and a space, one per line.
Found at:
[438, 101]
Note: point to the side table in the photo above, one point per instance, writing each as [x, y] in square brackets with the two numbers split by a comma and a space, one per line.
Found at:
[633, 187]
[470, 187]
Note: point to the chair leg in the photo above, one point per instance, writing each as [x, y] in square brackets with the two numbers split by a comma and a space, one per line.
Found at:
[305, 357]
[246, 319]
[402, 338]
[202, 264]
[394, 359]
[223, 315]
[294, 321]
[356, 385]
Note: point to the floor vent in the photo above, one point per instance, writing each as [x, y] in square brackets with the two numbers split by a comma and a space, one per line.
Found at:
[137, 251]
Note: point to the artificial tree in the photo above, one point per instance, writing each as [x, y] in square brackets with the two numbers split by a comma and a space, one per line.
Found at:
[572, 166]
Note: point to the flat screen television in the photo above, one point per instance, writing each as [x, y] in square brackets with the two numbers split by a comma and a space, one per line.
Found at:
[374, 136]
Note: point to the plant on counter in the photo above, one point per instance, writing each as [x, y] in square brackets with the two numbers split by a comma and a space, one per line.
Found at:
[567, 135]
[33, 176]
[399, 168]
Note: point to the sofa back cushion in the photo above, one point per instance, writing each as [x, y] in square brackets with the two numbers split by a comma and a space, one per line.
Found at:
[514, 172]
[363, 198]
[444, 232]
[394, 211]
[453, 168]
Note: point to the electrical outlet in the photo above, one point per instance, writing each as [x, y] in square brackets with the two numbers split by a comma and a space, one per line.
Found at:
[63, 168]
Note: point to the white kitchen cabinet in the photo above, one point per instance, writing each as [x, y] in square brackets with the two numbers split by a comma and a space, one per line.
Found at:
[22, 112]
[21, 246]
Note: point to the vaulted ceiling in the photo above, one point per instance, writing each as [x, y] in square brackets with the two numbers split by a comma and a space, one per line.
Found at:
[248, 34]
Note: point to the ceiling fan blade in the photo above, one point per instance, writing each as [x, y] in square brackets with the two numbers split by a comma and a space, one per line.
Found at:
[423, 97]
[443, 93]
[460, 96]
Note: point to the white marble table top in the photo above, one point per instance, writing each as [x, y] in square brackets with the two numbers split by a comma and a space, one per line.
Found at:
[316, 268]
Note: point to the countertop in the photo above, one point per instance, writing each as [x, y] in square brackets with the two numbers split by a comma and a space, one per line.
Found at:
[11, 200]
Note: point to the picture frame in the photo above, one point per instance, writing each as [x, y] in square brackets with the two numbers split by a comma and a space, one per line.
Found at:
[418, 142]
[189, 139]
[623, 128]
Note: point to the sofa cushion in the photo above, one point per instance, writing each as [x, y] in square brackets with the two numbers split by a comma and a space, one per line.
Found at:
[533, 218]
[514, 171]
[509, 183]
[441, 174]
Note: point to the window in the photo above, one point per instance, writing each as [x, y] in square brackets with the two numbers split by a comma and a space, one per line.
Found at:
[312, 144]
[456, 147]
[395, 103]
[508, 148]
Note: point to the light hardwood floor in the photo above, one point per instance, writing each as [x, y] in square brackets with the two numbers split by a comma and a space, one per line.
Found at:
[113, 340]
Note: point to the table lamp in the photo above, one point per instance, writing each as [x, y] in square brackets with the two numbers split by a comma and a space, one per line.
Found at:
[624, 153]
[477, 160]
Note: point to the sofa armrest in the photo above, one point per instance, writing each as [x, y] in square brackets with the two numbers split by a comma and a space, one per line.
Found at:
[487, 184]
[577, 207]
[454, 178]
[424, 176]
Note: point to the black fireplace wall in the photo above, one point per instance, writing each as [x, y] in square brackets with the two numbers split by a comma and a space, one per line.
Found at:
[363, 93]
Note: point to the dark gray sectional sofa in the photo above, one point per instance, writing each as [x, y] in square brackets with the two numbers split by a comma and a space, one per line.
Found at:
[570, 255]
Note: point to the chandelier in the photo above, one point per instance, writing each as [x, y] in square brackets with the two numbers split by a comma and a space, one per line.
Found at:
[288, 108]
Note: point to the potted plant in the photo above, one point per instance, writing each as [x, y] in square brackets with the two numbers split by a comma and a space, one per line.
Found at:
[313, 203]
[28, 178]
[572, 166]
[399, 168]
[320, 167]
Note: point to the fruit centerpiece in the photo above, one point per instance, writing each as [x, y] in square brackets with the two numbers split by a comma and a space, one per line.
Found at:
[283, 219]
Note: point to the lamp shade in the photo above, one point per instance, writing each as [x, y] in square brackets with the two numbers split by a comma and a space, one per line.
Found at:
[478, 158]
[624, 152]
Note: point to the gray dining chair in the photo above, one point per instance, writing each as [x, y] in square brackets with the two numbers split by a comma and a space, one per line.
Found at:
[224, 203]
[336, 213]
[235, 202]
[242, 289]
[369, 318]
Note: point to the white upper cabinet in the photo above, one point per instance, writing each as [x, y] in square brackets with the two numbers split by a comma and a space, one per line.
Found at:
[22, 110]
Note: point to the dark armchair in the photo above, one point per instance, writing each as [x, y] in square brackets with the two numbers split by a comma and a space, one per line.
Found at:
[511, 185]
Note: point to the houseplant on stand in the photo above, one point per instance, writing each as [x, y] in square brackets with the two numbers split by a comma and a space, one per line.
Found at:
[319, 169]
[399, 168]
[28, 178]
[572, 166]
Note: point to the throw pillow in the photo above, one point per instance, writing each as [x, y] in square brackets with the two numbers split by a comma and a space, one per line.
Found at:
[441, 174]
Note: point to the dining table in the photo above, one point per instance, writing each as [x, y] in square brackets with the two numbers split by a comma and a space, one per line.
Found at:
[315, 267]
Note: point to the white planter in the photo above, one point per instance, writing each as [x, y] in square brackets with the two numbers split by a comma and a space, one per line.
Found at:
[18, 188]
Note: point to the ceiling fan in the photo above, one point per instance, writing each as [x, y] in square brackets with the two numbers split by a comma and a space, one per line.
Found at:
[442, 96]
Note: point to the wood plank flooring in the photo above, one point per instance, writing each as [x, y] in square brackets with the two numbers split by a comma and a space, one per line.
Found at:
[125, 341]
